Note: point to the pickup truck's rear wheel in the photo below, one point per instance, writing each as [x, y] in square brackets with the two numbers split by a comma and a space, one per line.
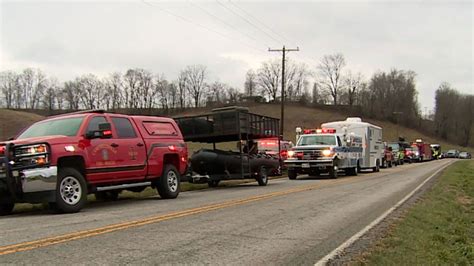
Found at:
[377, 166]
[6, 208]
[262, 177]
[168, 185]
[71, 191]
[292, 174]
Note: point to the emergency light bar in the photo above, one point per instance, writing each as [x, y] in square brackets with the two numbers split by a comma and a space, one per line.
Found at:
[320, 131]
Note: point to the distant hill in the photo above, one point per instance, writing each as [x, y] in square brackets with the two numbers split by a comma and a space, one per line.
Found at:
[295, 115]
[12, 122]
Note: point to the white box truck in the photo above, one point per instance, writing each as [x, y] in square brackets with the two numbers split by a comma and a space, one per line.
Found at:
[372, 145]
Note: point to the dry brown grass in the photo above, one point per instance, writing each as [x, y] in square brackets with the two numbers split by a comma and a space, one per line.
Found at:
[12, 122]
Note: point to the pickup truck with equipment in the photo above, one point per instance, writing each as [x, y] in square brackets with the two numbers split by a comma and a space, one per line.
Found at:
[62, 159]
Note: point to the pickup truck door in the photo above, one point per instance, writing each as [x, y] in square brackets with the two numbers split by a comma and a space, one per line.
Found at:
[131, 150]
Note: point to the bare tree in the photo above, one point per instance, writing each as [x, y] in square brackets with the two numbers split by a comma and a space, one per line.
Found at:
[9, 85]
[352, 82]
[268, 78]
[72, 94]
[114, 87]
[131, 81]
[182, 80]
[330, 74]
[296, 80]
[91, 89]
[195, 82]
[250, 84]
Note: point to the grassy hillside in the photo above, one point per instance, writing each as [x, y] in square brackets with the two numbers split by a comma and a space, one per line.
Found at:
[295, 115]
[11, 122]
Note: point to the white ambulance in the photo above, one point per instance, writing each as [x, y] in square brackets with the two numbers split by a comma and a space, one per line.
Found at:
[372, 145]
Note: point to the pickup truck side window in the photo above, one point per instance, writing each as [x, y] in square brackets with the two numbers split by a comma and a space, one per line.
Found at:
[160, 128]
[94, 123]
[124, 128]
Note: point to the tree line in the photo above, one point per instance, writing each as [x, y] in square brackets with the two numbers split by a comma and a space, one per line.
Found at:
[134, 89]
[386, 95]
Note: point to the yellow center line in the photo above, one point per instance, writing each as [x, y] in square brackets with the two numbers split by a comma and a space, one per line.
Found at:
[25, 246]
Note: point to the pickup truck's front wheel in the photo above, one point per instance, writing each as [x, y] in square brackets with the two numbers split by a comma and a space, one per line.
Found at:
[6, 208]
[262, 177]
[169, 184]
[71, 191]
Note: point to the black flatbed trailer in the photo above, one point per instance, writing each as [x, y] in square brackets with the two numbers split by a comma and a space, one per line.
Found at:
[231, 124]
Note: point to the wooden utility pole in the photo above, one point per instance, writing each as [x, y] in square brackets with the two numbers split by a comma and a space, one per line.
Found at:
[282, 116]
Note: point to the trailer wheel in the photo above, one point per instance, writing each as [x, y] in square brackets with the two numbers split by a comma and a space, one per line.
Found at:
[213, 183]
[292, 174]
[6, 208]
[351, 171]
[168, 185]
[262, 178]
[390, 164]
[71, 191]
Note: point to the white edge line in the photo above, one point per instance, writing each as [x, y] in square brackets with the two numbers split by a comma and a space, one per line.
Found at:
[354, 238]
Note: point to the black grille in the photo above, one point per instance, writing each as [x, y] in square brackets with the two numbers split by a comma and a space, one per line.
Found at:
[3, 167]
[310, 155]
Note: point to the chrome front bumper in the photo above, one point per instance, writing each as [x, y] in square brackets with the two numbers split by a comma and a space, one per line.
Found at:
[308, 163]
[39, 180]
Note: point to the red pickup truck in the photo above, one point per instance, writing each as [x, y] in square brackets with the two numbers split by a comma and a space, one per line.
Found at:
[64, 158]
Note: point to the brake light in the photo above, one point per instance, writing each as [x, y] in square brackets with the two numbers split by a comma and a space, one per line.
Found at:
[2, 150]
[283, 153]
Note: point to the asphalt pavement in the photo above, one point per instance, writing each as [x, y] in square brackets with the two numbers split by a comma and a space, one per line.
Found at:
[287, 222]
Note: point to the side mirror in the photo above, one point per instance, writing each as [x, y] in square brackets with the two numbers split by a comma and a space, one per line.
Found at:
[104, 132]
[11, 138]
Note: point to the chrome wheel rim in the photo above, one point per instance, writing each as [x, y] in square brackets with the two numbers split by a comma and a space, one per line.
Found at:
[172, 179]
[70, 190]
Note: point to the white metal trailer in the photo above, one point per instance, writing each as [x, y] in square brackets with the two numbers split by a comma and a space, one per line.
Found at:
[372, 145]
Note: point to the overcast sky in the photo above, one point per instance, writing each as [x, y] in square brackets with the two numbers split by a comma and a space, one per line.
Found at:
[67, 39]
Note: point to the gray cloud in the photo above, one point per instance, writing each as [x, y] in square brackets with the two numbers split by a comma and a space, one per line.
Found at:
[69, 39]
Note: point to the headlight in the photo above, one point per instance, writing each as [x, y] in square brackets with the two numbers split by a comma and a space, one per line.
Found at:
[327, 153]
[291, 154]
[31, 150]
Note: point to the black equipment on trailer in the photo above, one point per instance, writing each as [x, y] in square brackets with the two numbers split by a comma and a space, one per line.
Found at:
[225, 125]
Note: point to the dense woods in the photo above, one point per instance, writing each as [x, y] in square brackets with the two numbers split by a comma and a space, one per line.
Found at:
[388, 95]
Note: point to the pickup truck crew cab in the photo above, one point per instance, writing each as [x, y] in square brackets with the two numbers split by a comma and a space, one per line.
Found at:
[323, 150]
[62, 159]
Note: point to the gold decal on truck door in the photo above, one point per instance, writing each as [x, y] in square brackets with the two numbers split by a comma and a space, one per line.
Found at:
[133, 154]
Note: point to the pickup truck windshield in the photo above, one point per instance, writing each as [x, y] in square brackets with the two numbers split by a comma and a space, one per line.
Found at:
[317, 140]
[65, 127]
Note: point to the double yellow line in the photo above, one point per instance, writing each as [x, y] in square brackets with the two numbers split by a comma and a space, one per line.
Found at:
[25, 246]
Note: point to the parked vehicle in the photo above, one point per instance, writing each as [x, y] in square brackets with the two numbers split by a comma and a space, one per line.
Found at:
[226, 125]
[388, 159]
[436, 151]
[62, 159]
[412, 154]
[452, 154]
[424, 150]
[324, 151]
[270, 147]
[398, 152]
[372, 146]
[464, 155]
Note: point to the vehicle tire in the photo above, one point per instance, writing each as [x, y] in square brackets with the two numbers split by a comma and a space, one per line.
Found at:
[333, 171]
[6, 208]
[262, 178]
[390, 164]
[107, 195]
[213, 183]
[377, 166]
[292, 174]
[71, 191]
[384, 163]
[168, 185]
[355, 171]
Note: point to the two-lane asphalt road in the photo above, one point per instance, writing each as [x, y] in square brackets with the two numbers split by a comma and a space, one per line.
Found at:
[286, 222]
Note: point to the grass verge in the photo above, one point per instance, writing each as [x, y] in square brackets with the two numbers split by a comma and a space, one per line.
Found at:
[437, 230]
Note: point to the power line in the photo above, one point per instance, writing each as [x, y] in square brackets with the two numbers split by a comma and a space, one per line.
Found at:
[201, 25]
[223, 21]
[259, 21]
[247, 21]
